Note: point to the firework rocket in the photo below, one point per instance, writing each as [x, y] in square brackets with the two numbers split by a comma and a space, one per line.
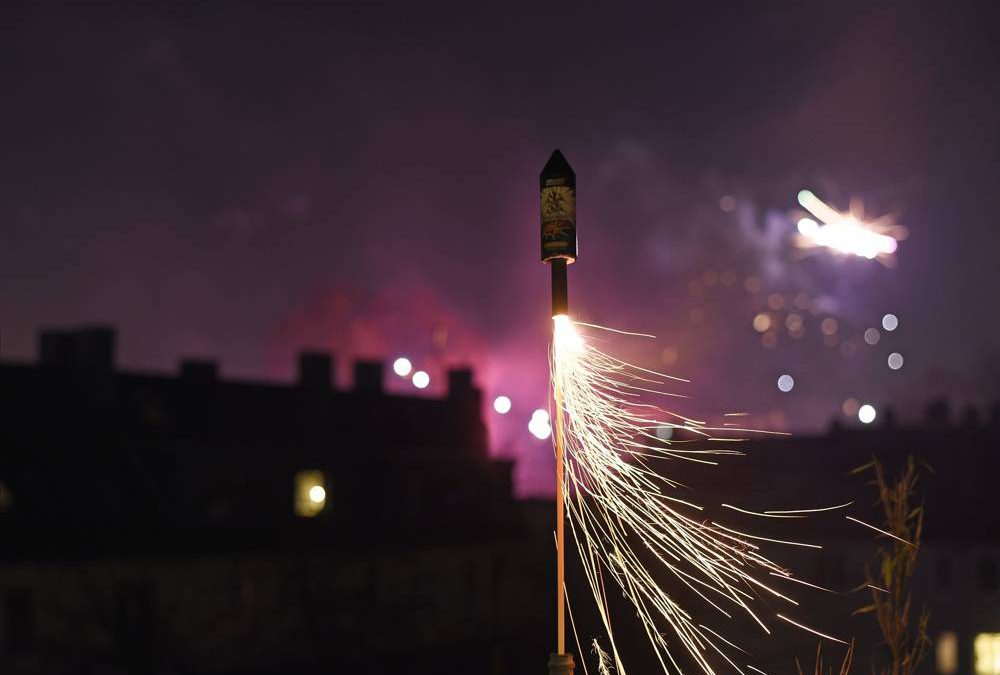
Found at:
[557, 184]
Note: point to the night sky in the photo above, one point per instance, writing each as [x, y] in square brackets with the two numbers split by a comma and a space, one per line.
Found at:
[243, 182]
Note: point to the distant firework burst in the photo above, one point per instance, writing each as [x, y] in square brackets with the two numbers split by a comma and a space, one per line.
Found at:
[847, 233]
[634, 533]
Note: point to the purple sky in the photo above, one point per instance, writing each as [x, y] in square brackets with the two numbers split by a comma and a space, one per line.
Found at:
[243, 183]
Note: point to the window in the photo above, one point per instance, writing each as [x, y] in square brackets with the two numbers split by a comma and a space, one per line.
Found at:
[987, 653]
[310, 493]
[946, 653]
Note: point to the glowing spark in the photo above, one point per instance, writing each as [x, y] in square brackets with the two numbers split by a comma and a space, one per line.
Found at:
[731, 644]
[825, 508]
[881, 590]
[774, 541]
[766, 514]
[847, 233]
[629, 529]
[756, 669]
[888, 534]
[613, 330]
[811, 630]
[604, 666]
[572, 621]
[804, 583]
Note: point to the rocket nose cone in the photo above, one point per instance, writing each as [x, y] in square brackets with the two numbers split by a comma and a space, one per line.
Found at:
[557, 166]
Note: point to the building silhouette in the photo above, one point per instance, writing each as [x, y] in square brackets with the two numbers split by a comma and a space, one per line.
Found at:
[192, 524]
[188, 523]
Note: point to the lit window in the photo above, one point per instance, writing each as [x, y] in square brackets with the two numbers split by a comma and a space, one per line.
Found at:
[987, 650]
[946, 653]
[310, 493]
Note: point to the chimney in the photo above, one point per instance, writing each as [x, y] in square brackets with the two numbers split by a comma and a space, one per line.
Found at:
[55, 348]
[91, 348]
[199, 371]
[461, 388]
[889, 418]
[971, 417]
[459, 382]
[937, 413]
[95, 348]
[316, 370]
[368, 376]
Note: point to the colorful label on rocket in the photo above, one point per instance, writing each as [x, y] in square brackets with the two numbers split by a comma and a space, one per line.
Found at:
[559, 220]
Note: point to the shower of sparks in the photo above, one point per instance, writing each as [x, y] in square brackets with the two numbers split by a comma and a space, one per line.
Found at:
[631, 530]
[848, 233]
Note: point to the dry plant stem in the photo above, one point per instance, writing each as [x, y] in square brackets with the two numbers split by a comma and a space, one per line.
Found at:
[892, 602]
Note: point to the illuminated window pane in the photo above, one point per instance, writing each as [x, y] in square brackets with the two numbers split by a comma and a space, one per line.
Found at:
[310, 493]
[987, 652]
[946, 653]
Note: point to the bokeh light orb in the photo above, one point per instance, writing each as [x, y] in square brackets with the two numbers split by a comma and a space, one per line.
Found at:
[540, 427]
[402, 366]
[890, 322]
[850, 407]
[786, 383]
[866, 413]
[761, 322]
[421, 379]
[502, 404]
[541, 414]
[895, 360]
[872, 336]
[317, 494]
[669, 356]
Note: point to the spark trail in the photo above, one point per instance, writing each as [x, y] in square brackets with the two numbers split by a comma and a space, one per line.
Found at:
[630, 529]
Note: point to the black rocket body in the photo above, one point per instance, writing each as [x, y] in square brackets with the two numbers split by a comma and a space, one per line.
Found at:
[557, 191]
[557, 186]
